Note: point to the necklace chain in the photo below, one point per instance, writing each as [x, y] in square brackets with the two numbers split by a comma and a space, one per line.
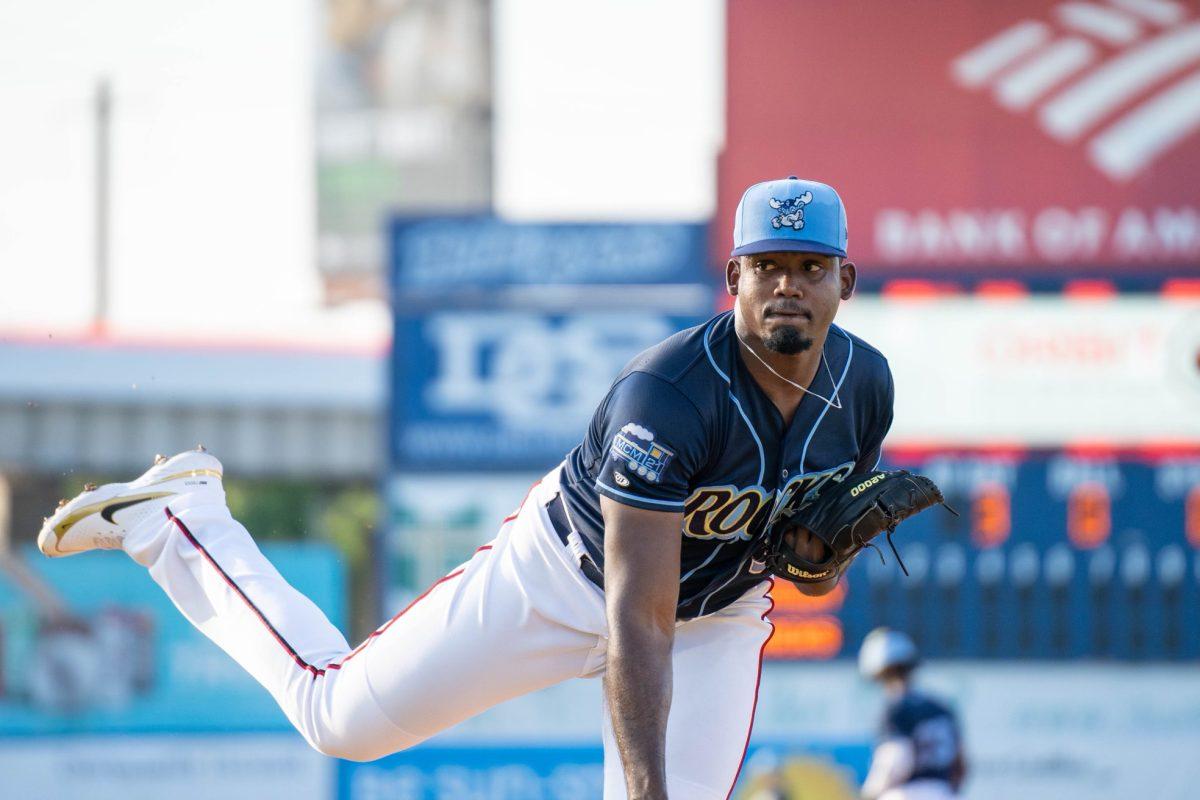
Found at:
[836, 402]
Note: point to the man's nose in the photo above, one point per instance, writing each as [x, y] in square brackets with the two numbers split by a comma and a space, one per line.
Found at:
[790, 285]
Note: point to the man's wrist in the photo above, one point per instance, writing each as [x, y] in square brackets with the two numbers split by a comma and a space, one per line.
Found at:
[646, 783]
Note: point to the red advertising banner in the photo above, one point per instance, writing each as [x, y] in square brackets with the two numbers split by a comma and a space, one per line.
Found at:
[975, 137]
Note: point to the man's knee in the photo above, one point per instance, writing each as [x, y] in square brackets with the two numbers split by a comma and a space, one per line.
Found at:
[355, 747]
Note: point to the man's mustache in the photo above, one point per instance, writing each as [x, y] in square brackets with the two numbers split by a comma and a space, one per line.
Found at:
[787, 309]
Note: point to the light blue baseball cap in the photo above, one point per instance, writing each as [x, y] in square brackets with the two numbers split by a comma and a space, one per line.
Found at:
[792, 215]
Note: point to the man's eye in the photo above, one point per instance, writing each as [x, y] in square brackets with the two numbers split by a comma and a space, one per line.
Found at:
[813, 266]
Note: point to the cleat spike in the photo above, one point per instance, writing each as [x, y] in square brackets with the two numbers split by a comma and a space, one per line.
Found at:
[200, 448]
[89, 487]
[62, 502]
[158, 459]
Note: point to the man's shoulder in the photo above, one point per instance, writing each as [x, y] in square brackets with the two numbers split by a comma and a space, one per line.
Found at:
[868, 369]
[682, 359]
[917, 705]
[863, 349]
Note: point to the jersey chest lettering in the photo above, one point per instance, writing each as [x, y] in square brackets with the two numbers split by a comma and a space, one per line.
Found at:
[803, 489]
[725, 512]
[729, 512]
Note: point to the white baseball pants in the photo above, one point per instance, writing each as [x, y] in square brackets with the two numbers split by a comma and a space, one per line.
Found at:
[516, 617]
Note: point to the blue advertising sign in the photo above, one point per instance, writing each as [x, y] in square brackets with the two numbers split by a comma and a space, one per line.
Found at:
[576, 772]
[123, 659]
[479, 390]
[508, 334]
[484, 772]
[446, 256]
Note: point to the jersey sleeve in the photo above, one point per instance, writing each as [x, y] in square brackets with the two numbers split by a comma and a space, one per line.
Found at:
[896, 722]
[891, 766]
[652, 441]
[882, 423]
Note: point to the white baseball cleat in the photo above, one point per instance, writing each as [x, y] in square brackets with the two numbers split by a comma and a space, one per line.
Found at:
[100, 518]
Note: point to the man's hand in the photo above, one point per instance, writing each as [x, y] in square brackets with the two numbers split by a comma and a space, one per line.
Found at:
[845, 517]
[812, 548]
[641, 590]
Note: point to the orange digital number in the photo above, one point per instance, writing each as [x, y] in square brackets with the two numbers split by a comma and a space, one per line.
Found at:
[1191, 517]
[991, 515]
[1089, 515]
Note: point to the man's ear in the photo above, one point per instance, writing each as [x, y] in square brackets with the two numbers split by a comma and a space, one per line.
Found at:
[733, 272]
[849, 279]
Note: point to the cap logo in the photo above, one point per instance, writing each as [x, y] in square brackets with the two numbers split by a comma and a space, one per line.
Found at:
[791, 211]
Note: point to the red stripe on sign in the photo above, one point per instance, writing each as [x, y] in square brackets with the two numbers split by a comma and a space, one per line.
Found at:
[906, 289]
[757, 684]
[1089, 290]
[1001, 289]
[1162, 450]
[1181, 288]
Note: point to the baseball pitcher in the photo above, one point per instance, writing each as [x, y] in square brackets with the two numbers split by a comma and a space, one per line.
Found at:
[727, 454]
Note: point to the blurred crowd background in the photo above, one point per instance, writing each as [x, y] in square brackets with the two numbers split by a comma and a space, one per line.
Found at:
[383, 257]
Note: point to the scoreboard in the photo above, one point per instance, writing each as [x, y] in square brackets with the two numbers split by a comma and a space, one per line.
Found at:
[1085, 552]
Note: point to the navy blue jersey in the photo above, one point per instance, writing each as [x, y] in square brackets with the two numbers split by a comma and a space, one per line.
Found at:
[933, 731]
[685, 427]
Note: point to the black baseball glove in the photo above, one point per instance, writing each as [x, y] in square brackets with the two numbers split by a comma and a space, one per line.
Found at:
[845, 518]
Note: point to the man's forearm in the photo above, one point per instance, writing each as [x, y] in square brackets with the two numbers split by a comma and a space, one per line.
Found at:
[637, 683]
[641, 592]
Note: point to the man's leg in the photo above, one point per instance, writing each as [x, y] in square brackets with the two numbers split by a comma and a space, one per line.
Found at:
[717, 660]
[488, 631]
[471, 641]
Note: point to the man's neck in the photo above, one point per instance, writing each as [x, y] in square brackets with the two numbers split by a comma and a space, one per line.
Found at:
[800, 368]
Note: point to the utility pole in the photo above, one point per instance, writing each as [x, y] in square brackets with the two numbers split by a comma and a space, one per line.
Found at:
[103, 112]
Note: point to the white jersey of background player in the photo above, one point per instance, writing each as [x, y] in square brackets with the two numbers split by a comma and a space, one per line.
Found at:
[920, 755]
[632, 559]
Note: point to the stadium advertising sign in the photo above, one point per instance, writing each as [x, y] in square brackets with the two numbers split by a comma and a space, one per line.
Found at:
[486, 771]
[508, 334]
[132, 664]
[508, 389]
[1038, 371]
[179, 766]
[458, 260]
[1022, 138]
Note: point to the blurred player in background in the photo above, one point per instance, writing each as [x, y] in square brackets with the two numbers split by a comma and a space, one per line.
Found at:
[920, 755]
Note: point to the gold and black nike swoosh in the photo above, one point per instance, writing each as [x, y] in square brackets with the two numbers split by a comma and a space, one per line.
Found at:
[106, 508]
[113, 508]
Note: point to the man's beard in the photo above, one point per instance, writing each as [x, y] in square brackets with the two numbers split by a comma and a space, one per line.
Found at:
[787, 341]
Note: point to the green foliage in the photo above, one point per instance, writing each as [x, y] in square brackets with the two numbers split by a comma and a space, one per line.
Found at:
[273, 509]
[348, 522]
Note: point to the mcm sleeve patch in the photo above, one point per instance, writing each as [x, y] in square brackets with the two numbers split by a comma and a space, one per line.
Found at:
[635, 446]
[655, 443]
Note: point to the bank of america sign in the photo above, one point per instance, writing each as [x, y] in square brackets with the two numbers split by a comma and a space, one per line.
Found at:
[1119, 78]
